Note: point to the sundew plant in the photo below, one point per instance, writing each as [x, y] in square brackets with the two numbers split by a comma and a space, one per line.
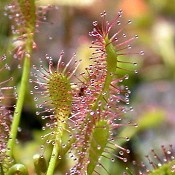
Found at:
[82, 113]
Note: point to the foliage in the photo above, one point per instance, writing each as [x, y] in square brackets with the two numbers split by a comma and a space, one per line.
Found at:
[83, 114]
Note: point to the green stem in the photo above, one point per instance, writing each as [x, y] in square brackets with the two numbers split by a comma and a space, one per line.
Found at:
[54, 157]
[19, 105]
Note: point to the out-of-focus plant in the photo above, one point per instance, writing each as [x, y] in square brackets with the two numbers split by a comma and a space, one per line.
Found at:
[84, 112]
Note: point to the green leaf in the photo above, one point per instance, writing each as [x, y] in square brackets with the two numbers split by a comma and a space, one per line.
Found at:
[99, 139]
[166, 169]
[17, 169]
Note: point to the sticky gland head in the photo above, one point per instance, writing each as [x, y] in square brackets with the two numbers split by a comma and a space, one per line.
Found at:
[26, 18]
[55, 87]
[157, 163]
[109, 46]
[5, 114]
[5, 122]
[60, 93]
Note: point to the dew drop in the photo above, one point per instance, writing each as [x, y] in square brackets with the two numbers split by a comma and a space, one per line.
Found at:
[135, 71]
[159, 164]
[128, 151]
[131, 109]
[92, 113]
[125, 160]
[124, 35]
[168, 152]
[129, 21]
[121, 152]
[112, 160]
[135, 64]
[95, 23]
[135, 125]
[129, 46]
[118, 23]
[141, 52]
[173, 168]
[165, 160]
[19, 66]
[127, 139]
[19, 129]
[129, 92]
[43, 128]
[98, 147]
[37, 113]
[5, 13]
[126, 77]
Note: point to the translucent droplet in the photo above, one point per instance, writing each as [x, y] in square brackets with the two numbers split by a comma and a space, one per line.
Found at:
[19, 66]
[129, 46]
[159, 164]
[141, 52]
[168, 152]
[126, 76]
[35, 99]
[92, 113]
[118, 23]
[131, 109]
[112, 160]
[127, 151]
[136, 125]
[129, 21]
[121, 152]
[98, 147]
[124, 35]
[165, 160]
[125, 160]
[135, 71]
[43, 128]
[135, 64]
[19, 129]
[95, 23]
[173, 168]
[127, 139]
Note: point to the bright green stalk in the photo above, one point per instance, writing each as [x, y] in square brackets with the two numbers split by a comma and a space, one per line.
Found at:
[54, 157]
[19, 105]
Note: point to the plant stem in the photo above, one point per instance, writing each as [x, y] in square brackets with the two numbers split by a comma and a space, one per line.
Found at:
[54, 156]
[19, 105]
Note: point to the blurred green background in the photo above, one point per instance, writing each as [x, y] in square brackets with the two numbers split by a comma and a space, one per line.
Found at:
[153, 88]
